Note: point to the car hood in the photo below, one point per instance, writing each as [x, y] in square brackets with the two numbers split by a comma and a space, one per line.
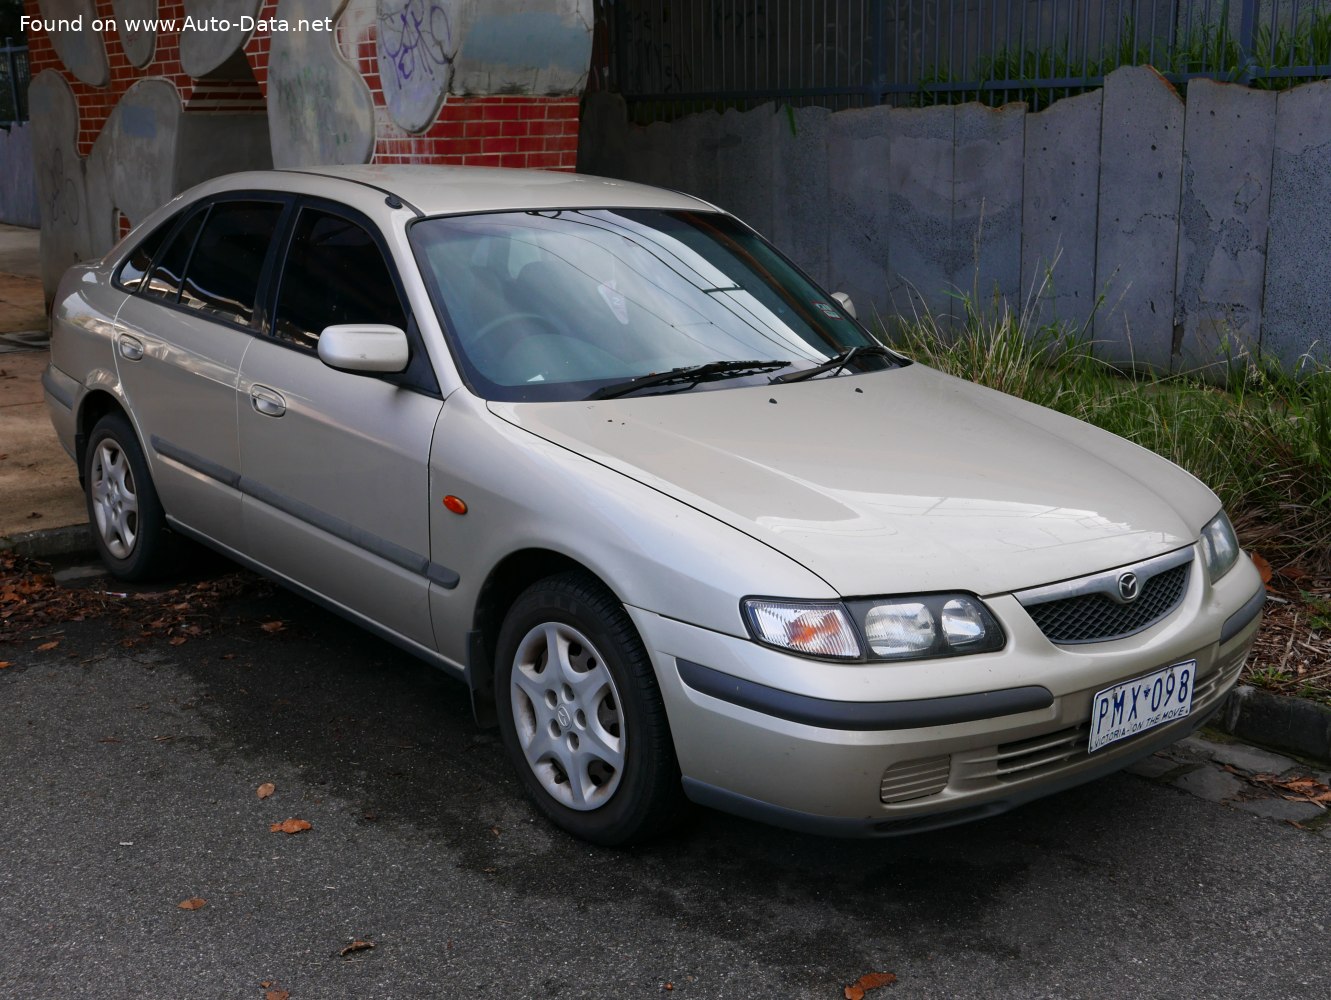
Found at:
[896, 481]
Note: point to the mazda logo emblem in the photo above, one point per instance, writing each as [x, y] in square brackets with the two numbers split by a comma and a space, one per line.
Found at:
[1128, 587]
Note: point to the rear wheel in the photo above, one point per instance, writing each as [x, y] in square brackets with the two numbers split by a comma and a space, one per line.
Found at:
[128, 524]
[581, 715]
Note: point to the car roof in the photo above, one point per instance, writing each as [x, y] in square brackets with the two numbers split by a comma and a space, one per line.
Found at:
[444, 190]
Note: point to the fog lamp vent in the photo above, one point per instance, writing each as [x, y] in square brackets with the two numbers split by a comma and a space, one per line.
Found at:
[915, 779]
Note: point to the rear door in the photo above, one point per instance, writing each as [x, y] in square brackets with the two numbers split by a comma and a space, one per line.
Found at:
[180, 337]
[334, 464]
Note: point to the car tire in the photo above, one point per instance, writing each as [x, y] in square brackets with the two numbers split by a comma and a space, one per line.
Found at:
[128, 524]
[581, 715]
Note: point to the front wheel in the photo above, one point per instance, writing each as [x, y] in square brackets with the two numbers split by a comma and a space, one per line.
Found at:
[128, 524]
[581, 715]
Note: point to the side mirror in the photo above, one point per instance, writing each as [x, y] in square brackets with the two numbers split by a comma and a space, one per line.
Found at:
[364, 347]
[846, 303]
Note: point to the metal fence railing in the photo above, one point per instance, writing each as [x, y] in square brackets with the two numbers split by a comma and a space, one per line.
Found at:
[674, 56]
[14, 79]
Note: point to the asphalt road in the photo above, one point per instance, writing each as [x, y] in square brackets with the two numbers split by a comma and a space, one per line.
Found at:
[129, 785]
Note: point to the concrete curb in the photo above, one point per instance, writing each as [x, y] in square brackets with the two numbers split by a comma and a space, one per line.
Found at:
[48, 543]
[1293, 724]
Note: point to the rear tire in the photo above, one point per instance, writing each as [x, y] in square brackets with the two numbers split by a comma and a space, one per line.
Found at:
[126, 517]
[581, 715]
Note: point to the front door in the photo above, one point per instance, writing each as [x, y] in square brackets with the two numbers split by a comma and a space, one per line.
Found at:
[334, 464]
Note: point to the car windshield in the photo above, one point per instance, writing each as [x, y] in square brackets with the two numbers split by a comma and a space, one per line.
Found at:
[560, 305]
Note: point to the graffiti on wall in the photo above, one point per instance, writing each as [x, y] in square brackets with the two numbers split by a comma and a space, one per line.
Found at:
[416, 49]
[319, 109]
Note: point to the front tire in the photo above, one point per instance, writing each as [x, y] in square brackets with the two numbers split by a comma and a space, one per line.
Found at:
[581, 715]
[128, 524]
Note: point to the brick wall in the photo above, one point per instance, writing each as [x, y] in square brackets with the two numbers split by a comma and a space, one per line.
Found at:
[507, 131]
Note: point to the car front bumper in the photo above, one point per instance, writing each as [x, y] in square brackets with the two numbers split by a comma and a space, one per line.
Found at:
[883, 749]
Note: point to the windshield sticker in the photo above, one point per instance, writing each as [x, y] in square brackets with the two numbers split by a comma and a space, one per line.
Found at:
[828, 309]
[617, 303]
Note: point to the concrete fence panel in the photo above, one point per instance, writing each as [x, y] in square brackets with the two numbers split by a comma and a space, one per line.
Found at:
[987, 175]
[920, 176]
[800, 203]
[1223, 215]
[1060, 204]
[1141, 160]
[857, 199]
[1298, 267]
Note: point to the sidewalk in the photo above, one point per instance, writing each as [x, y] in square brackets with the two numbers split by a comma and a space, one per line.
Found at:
[39, 485]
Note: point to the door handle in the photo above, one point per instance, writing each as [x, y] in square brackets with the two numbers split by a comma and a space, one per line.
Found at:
[267, 401]
[131, 348]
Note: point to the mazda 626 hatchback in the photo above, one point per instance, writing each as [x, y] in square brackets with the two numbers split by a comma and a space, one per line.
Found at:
[686, 529]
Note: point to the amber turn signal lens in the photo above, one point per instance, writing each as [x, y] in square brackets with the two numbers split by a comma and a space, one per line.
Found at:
[455, 504]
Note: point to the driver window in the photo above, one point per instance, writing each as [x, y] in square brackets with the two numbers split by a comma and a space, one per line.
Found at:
[335, 273]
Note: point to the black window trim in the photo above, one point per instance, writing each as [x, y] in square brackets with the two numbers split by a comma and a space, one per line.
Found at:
[419, 375]
[259, 321]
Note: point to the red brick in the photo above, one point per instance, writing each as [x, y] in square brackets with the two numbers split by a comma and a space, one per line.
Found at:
[504, 145]
[513, 160]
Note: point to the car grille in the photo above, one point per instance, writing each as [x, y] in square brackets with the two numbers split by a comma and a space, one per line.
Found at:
[1098, 618]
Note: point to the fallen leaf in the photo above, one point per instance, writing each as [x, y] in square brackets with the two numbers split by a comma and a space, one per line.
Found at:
[265, 790]
[193, 903]
[276, 995]
[496, 831]
[1263, 567]
[48, 646]
[866, 982]
[178, 640]
[5, 663]
[274, 626]
[357, 945]
[289, 826]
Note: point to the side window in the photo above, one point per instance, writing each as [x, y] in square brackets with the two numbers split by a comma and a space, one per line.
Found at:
[164, 283]
[135, 267]
[223, 274]
[335, 273]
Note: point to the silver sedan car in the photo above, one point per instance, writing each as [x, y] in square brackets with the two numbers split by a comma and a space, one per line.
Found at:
[684, 527]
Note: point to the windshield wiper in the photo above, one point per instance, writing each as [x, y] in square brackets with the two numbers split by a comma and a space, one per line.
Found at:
[690, 375]
[835, 364]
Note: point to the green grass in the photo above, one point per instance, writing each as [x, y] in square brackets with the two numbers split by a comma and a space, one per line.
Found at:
[1211, 50]
[1261, 440]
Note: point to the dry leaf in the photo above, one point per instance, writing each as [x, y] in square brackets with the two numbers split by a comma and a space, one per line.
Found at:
[193, 903]
[177, 640]
[866, 982]
[290, 826]
[274, 626]
[265, 790]
[357, 945]
[1263, 567]
[5, 663]
[266, 983]
[48, 646]
[276, 995]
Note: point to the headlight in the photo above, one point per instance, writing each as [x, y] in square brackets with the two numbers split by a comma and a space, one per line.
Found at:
[893, 628]
[1220, 546]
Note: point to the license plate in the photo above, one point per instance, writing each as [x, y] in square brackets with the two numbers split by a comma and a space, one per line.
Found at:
[1138, 705]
